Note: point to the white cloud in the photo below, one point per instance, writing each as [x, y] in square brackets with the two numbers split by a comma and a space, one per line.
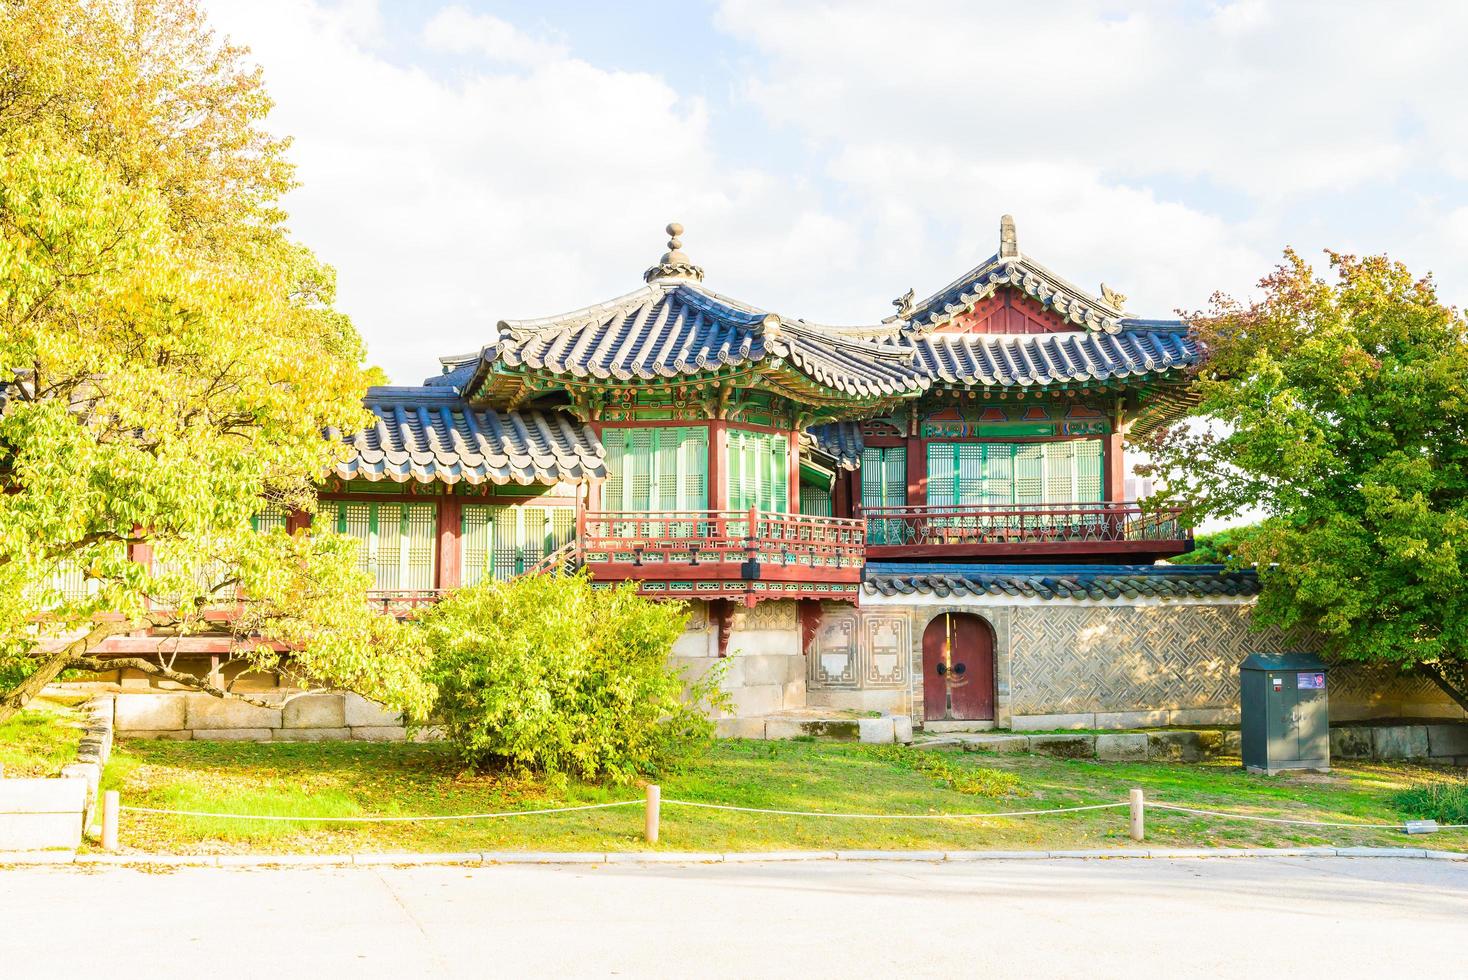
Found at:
[450, 203]
[1170, 154]
[459, 30]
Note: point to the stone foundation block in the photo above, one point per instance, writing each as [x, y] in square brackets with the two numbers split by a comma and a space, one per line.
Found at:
[380, 733]
[902, 728]
[876, 730]
[1233, 742]
[1003, 744]
[314, 711]
[1399, 742]
[233, 734]
[312, 734]
[758, 668]
[359, 712]
[1447, 741]
[1064, 746]
[740, 728]
[430, 733]
[1131, 719]
[1031, 723]
[1205, 716]
[783, 728]
[1122, 748]
[207, 712]
[1350, 743]
[1176, 746]
[165, 736]
[148, 712]
[763, 700]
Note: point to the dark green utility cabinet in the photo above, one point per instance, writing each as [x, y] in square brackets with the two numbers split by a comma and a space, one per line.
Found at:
[1283, 712]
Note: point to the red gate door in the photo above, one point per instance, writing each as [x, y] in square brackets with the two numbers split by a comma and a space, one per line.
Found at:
[958, 669]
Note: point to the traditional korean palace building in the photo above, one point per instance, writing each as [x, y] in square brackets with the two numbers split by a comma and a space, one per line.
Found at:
[922, 516]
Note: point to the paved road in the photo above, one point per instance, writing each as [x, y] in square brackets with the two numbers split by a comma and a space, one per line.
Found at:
[1299, 918]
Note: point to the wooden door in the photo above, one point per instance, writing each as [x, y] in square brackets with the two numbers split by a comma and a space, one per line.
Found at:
[958, 669]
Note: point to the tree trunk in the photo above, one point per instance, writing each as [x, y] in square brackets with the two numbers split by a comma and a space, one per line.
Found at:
[1459, 697]
[53, 664]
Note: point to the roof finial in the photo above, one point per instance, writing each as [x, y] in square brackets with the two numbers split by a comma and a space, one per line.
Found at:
[1008, 241]
[674, 264]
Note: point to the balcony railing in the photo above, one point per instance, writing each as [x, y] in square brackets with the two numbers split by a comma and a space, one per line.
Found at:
[749, 554]
[696, 538]
[1054, 528]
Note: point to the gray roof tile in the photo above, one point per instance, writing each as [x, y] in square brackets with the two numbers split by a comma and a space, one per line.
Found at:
[840, 440]
[673, 328]
[1060, 582]
[1039, 359]
[429, 434]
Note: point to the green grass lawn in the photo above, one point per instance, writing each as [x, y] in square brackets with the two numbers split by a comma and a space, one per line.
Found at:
[40, 740]
[346, 778]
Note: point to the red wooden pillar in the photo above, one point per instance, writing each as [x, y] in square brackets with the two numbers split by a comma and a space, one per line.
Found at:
[917, 472]
[793, 493]
[842, 492]
[1114, 479]
[297, 520]
[450, 542]
[718, 464]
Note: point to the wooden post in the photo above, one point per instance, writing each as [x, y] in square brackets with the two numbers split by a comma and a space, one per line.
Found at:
[718, 465]
[792, 473]
[654, 806]
[1139, 811]
[449, 572]
[111, 804]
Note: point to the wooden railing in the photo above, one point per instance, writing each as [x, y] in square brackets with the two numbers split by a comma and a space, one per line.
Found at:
[1005, 524]
[710, 538]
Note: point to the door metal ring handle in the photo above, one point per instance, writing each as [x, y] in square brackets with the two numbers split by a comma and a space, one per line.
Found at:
[959, 668]
[942, 669]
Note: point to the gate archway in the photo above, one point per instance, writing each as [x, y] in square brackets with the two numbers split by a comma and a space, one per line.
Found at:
[958, 668]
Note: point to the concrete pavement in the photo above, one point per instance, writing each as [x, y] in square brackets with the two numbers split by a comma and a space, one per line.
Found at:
[1302, 917]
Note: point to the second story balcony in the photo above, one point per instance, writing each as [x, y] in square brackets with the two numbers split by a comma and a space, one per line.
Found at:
[747, 555]
[1100, 530]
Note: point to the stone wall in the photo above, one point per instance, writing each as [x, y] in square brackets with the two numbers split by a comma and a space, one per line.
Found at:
[1064, 663]
[293, 717]
[763, 670]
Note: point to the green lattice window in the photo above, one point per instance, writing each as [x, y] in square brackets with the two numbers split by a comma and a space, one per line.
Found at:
[398, 541]
[883, 484]
[759, 471]
[656, 469]
[501, 542]
[815, 500]
[996, 473]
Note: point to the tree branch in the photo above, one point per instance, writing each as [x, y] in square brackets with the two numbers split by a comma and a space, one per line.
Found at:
[56, 662]
[201, 684]
[1436, 675]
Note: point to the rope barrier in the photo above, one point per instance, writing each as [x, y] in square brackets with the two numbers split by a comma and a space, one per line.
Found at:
[1299, 823]
[1149, 804]
[896, 816]
[445, 816]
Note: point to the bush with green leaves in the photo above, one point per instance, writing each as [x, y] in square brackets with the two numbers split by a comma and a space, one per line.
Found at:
[546, 674]
[1445, 802]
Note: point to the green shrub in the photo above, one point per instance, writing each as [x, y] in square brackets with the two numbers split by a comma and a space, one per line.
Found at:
[546, 674]
[1444, 802]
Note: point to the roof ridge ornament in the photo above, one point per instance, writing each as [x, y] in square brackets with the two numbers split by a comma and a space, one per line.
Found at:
[1008, 240]
[674, 264]
[904, 304]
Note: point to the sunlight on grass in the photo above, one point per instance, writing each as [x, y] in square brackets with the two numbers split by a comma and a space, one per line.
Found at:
[40, 740]
[334, 779]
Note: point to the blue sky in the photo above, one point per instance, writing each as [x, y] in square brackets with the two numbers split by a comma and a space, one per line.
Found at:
[471, 162]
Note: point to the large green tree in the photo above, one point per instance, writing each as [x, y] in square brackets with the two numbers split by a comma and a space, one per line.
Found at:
[169, 360]
[1339, 407]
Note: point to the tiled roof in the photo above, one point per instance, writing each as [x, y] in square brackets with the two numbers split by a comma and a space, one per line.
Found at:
[428, 434]
[675, 327]
[1040, 359]
[1060, 581]
[839, 440]
[1070, 303]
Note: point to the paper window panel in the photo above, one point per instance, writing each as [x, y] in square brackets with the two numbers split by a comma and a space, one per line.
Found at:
[474, 543]
[420, 524]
